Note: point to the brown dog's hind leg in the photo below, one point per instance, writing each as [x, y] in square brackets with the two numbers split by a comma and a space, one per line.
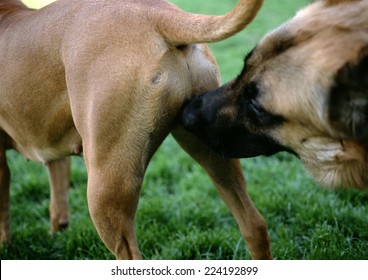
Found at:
[228, 178]
[59, 177]
[4, 195]
[113, 192]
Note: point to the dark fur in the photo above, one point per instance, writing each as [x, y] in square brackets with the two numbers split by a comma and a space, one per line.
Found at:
[348, 105]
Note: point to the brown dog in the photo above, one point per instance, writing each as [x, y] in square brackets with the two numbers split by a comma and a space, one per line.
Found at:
[111, 76]
[304, 89]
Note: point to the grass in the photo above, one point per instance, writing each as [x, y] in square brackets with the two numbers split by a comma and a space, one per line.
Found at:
[180, 214]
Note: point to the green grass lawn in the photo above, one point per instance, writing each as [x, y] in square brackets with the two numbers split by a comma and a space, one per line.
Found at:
[180, 214]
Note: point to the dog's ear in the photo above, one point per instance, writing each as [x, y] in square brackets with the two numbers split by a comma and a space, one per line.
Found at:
[348, 100]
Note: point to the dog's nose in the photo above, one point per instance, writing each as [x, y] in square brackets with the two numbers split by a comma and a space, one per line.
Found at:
[191, 115]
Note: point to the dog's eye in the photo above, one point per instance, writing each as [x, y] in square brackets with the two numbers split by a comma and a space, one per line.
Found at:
[260, 117]
[257, 109]
[253, 111]
[249, 100]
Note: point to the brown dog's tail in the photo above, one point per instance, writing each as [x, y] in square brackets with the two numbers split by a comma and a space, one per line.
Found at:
[185, 28]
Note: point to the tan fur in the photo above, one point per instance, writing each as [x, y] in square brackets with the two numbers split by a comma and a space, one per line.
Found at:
[111, 76]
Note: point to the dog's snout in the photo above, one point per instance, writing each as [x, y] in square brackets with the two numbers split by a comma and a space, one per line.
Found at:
[205, 113]
[192, 117]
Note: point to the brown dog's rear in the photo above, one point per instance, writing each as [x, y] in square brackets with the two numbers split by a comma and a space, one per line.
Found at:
[111, 76]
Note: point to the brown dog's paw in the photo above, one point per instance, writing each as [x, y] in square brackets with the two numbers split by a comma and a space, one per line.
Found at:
[59, 225]
[4, 239]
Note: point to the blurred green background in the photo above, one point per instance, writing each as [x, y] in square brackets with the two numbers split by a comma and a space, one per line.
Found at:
[180, 214]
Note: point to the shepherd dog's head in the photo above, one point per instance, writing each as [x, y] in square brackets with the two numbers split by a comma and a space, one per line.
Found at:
[303, 89]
